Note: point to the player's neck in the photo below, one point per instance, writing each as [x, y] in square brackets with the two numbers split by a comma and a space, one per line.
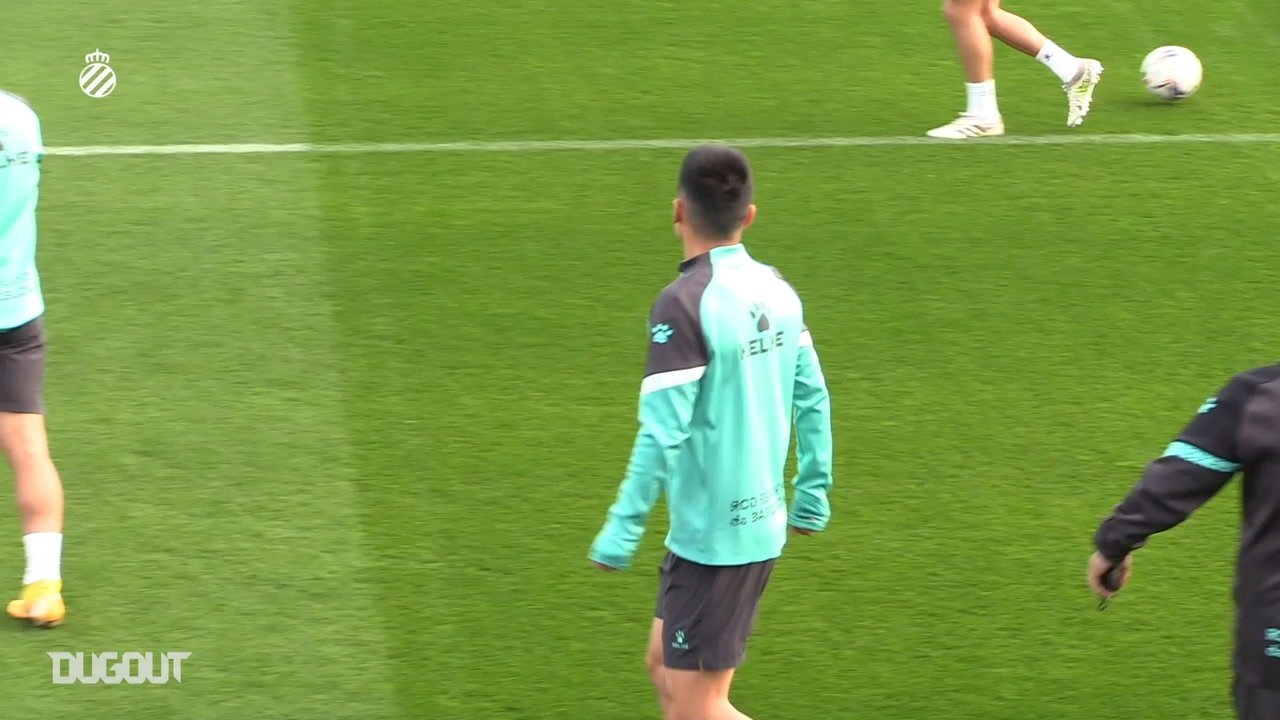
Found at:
[695, 246]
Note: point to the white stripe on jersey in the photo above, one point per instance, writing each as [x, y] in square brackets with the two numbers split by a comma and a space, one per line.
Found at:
[674, 378]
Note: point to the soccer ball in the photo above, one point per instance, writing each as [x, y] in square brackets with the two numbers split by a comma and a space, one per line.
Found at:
[1172, 72]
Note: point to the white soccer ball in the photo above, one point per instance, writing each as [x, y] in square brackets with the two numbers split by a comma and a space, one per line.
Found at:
[1172, 72]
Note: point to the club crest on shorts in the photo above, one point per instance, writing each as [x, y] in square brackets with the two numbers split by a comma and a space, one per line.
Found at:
[679, 643]
[97, 79]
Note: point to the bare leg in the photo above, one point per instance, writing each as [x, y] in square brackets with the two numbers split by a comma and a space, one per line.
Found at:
[1019, 34]
[973, 39]
[36, 483]
[1079, 76]
[1013, 30]
[39, 493]
[657, 672]
[981, 117]
[701, 695]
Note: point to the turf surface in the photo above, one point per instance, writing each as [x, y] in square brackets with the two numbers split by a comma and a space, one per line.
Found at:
[343, 426]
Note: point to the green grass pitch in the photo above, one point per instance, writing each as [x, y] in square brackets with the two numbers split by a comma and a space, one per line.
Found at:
[343, 426]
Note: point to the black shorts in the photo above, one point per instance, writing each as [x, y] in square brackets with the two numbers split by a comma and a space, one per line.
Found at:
[22, 368]
[708, 612]
[1254, 702]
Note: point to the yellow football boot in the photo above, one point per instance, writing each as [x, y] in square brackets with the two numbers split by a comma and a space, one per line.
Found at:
[41, 603]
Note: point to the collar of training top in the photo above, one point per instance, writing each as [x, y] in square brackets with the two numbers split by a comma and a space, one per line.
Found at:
[720, 253]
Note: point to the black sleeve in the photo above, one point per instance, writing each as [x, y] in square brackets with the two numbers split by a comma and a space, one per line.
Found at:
[676, 341]
[1192, 470]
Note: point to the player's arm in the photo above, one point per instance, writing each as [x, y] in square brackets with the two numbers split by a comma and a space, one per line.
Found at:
[811, 509]
[1193, 468]
[673, 374]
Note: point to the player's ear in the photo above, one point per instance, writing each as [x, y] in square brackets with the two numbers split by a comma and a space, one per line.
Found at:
[750, 218]
[677, 213]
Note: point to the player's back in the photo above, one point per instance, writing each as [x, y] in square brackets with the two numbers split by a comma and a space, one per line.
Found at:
[21, 150]
[729, 489]
[1256, 392]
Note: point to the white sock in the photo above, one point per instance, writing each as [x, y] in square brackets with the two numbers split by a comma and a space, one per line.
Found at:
[982, 100]
[1063, 64]
[44, 556]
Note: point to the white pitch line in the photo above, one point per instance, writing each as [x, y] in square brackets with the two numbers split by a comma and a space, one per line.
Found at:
[514, 146]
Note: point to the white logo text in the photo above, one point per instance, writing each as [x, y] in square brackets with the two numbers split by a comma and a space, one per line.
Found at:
[113, 668]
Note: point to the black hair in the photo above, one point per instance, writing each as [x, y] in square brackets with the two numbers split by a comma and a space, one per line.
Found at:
[716, 183]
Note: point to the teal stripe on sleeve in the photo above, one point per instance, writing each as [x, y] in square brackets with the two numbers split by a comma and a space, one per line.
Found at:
[1196, 456]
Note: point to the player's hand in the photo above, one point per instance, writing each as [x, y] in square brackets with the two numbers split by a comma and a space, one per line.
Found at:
[801, 531]
[604, 567]
[1099, 566]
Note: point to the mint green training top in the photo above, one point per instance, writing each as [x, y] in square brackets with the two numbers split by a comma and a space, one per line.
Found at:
[21, 149]
[731, 368]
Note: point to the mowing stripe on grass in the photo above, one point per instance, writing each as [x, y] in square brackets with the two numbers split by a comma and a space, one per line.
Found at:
[658, 144]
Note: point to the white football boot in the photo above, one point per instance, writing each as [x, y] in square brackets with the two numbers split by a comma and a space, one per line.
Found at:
[1080, 91]
[966, 127]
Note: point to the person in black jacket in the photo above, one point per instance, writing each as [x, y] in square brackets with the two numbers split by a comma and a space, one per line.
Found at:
[1237, 430]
